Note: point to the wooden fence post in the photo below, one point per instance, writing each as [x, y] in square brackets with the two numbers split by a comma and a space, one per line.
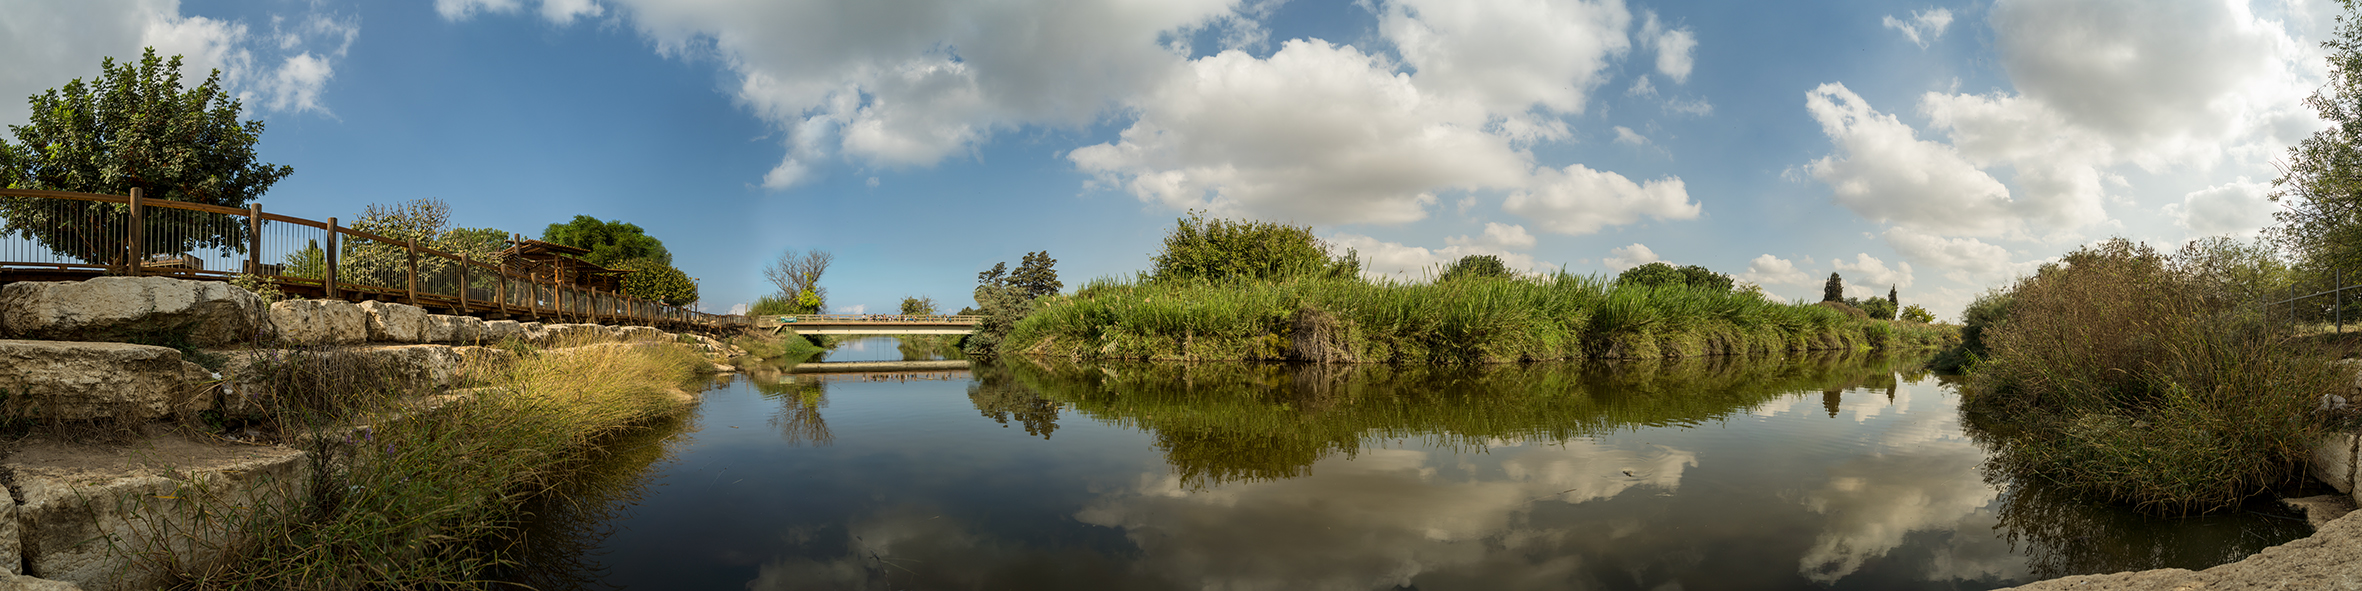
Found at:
[412, 271]
[330, 280]
[254, 244]
[138, 230]
[500, 288]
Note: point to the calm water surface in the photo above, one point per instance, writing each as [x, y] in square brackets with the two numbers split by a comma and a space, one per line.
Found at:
[1812, 472]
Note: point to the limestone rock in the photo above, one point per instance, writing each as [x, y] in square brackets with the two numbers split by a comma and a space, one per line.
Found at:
[483, 359]
[2334, 462]
[454, 330]
[415, 369]
[12, 557]
[395, 323]
[640, 333]
[81, 381]
[320, 322]
[573, 335]
[17, 582]
[92, 517]
[496, 331]
[121, 309]
[533, 333]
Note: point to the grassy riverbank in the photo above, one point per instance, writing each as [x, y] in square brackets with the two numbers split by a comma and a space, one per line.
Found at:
[1473, 320]
[2133, 375]
[407, 495]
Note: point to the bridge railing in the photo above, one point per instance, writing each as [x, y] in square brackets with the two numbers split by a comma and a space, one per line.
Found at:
[771, 320]
[84, 233]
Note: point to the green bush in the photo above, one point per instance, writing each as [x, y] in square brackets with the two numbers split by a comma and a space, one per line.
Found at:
[651, 279]
[2114, 374]
[1475, 265]
[1914, 313]
[1664, 274]
[1200, 249]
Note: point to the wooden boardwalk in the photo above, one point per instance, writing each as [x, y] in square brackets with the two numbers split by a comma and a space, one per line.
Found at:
[63, 236]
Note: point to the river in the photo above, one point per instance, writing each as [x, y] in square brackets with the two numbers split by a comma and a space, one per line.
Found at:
[1806, 472]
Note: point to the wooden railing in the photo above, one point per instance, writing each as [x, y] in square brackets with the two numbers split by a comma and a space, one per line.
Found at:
[71, 234]
[868, 319]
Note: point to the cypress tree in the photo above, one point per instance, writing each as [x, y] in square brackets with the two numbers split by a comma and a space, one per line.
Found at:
[1834, 290]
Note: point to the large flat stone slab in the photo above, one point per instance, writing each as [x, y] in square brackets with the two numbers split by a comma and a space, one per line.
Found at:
[127, 309]
[69, 380]
[395, 323]
[320, 322]
[119, 517]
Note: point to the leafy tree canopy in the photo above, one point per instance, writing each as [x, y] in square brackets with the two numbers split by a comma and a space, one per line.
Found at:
[1475, 265]
[2320, 187]
[1834, 290]
[1665, 274]
[918, 306]
[133, 126]
[1914, 313]
[653, 280]
[1226, 250]
[610, 243]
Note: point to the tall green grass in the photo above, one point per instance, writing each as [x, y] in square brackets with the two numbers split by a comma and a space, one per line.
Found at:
[1475, 320]
[411, 490]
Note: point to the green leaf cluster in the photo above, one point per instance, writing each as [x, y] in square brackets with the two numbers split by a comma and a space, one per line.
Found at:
[133, 126]
[1475, 265]
[1227, 250]
[610, 243]
[654, 280]
[1665, 274]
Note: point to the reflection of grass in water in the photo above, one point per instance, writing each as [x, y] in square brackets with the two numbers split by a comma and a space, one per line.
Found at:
[556, 543]
[2062, 533]
[1220, 422]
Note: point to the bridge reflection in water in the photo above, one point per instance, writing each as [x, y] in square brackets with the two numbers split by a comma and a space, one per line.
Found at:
[867, 324]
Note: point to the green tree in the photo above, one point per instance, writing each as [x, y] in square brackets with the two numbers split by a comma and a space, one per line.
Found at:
[1475, 265]
[918, 306]
[1914, 313]
[609, 242]
[653, 280]
[1226, 250]
[1834, 290]
[1878, 308]
[133, 126]
[2320, 188]
[797, 276]
[1003, 298]
[1661, 274]
[1891, 292]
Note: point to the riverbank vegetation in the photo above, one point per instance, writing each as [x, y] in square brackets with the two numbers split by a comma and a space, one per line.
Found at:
[2148, 378]
[411, 489]
[1261, 291]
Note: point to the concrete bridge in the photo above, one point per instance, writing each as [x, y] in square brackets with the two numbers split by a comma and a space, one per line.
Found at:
[859, 324]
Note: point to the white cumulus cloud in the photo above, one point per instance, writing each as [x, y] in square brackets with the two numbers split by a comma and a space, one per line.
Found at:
[2238, 207]
[1772, 270]
[1673, 46]
[1966, 260]
[1577, 200]
[1869, 275]
[284, 69]
[1627, 257]
[1382, 259]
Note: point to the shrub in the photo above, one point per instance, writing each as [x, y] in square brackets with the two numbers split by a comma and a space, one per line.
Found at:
[1914, 313]
[2118, 376]
[1663, 274]
[652, 279]
[1475, 265]
[1226, 250]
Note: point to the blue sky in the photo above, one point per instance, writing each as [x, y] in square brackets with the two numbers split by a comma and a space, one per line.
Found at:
[1944, 147]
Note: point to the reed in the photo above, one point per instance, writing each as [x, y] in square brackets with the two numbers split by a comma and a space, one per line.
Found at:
[410, 490]
[1474, 320]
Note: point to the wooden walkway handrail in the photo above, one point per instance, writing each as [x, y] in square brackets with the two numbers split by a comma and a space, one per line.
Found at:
[542, 296]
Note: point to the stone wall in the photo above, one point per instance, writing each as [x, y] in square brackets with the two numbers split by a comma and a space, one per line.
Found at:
[88, 351]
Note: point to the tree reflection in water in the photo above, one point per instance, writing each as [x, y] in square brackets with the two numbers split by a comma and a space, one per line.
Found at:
[1231, 422]
[798, 418]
